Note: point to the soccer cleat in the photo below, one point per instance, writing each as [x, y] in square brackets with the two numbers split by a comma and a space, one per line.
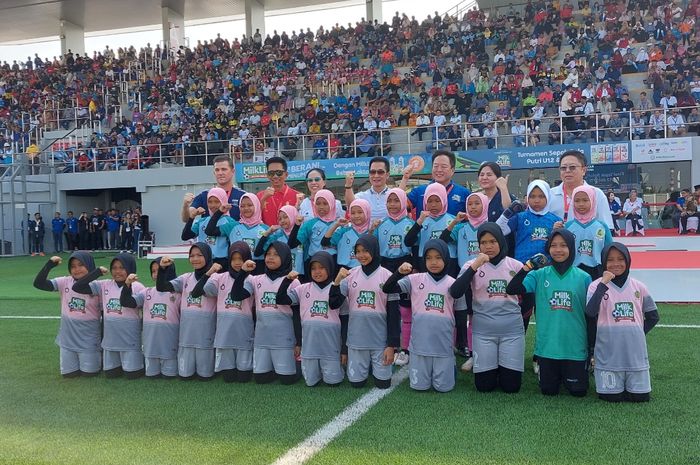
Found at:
[401, 359]
[535, 367]
[467, 365]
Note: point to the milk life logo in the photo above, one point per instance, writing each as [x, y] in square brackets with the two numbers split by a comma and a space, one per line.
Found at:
[194, 301]
[473, 248]
[395, 241]
[113, 306]
[539, 234]
[497, 288]
[210, 240]
[623, 311]
[367, 299]
[319, 308]
[76, 304]
[586, 247]
[561, 300]
[435, 303]
[159, 311]
[230, 303]
[435, 234]
[250, 242]
[269, 299]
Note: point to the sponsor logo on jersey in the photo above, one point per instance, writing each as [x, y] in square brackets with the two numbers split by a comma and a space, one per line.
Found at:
[435, 234]
[76, 304]
[113, 306]
[473, 248]
[230, 303]
[561, 300]
[395, 241]
[585, 247]
[194, 301]
[210, 240]
[497, 288]
[319, 308]
[539, 233]
[159, 311]
[269, 299]
[623, 311]
[250, 242]
[600, 234]
[367, 299]
[435, 302]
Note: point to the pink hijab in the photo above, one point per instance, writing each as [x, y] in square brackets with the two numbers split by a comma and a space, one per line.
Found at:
[256, 219]
[330, 198]
[220, 194]
[439, 190]
[590, 192]
[477, 221]
[291, 213]
[367, 210]
[402, 199]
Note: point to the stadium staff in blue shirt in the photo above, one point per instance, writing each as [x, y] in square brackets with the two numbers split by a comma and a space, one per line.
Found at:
[71, 231]
[224, 173]
[58, 224]
[443, 169]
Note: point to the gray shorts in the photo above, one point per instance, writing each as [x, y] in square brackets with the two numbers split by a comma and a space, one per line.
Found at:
[615, 382]
[359, 361]
[233, 359]
[316, 369]
[438, 372]
[281, 361]
[191, 361]
[87, 362]
[128, 360]
[491, 352]
[161, 366]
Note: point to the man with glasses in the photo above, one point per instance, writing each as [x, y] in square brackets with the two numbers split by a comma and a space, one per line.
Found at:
[224, 173]
[377, 193]
[278, 194]
[572, 169]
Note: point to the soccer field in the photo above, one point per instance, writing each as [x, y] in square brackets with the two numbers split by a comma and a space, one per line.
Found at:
[45, 419]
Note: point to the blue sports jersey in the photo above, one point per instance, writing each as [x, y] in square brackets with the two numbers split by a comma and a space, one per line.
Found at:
[391, 235]
[310, 235]
[344, 240]
[456, 198]
[591, 238]
[248, 234]
[218, 244]
[432, 229]
[531, 233]
[464, 235]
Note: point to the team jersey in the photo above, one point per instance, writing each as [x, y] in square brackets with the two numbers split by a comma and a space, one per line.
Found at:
[122, 325]
[391, 235]
[273, 326]
[531, 233]
[344, 240]
[620, 341]
[432, 313]
[80, 328]
[218, 244]
[297, 252]
[320, 324]
[310, 235]
[560, 302]
[591, 239]
[235, 326]
[367, 308]
[464, 235]
[432, 229]
[197, 314]
[248, 234]
[161, 322]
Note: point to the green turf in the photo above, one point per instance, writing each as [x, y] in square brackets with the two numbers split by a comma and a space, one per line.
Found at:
[45, 419]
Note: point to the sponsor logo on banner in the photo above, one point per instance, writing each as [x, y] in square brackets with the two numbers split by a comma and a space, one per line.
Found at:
[657, 150]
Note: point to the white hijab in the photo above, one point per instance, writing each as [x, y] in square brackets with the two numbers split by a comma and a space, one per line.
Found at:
[544, 187]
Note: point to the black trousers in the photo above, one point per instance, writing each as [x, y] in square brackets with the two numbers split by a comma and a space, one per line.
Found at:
[571, 373]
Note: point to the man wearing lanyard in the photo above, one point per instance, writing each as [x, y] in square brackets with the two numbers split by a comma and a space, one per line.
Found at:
[572, 169]
[377, 193]
[224, 172]
[443, 168]
[278, 194]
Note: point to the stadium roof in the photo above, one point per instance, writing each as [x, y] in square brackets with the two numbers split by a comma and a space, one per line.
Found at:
[24, 20]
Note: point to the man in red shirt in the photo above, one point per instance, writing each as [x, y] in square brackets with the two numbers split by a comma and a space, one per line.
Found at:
[278, 194]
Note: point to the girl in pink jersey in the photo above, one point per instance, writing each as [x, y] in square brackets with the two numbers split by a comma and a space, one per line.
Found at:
[276, 341]
[197, 315]
[499, 335]
[121, 340]
[161, 322]
[626, 312]
[435, 315]
[235, 319]
[79, 332]
[323, 328]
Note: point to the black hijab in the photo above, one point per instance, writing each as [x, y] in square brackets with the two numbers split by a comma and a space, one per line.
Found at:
[570, 240]
[285, 255]
[495, 231]
[170, 273]
[622, 279]
[443, 250]
[83, 257]
[242, 248]
[371, 245]
[208, 260]
[128, 262]
[326, 261]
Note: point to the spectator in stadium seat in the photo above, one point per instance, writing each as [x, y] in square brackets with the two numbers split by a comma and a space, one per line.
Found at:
[490, 135]
[676, 124]
[278, 194]
[224, 174]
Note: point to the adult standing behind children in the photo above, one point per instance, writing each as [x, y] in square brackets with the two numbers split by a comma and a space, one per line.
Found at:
[224, 173]
[377, 193]
[278, 194]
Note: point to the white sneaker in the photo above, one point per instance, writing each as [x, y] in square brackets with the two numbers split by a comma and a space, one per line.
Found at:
[401, 359]
[467, 365]
[536, 367]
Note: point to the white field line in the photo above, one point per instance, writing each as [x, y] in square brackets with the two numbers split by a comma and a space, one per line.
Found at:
[659, 326]
[326, 433]
[25, 317]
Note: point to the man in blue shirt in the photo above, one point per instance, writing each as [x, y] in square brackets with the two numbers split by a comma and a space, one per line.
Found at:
[71, 232]
[443, 169]
[113, 221]
[224, 172]
[57, 226]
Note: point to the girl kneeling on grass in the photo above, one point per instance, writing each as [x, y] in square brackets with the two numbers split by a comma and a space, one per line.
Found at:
[79, 334]
[197, 315]
[560, 299]
[121, 341]
[323, 329]
[626, 312]
[435, 315]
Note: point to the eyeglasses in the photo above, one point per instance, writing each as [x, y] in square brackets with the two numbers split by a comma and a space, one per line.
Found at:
[277, 173]
[379, 172]
[316, 179]
[565, 168]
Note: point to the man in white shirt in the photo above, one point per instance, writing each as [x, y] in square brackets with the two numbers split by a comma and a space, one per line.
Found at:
[632, 210]
[439, 119]
[370, 124]
[518, 132]
[490, 134]
[422, 122]
[676, 124]
[377, 193]
[657, 123]
[668, 101]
